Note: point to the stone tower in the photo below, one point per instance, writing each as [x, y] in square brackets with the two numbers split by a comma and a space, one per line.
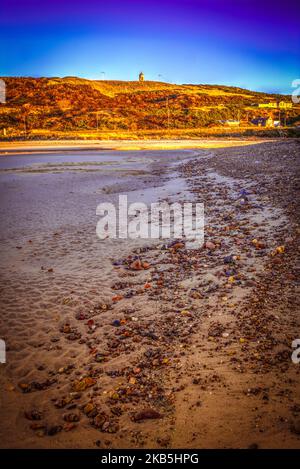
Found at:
[141, 76]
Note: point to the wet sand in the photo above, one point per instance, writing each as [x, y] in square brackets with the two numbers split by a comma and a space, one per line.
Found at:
[31, 146]
[192, 351]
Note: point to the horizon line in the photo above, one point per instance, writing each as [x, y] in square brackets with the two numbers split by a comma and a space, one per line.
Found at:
[145, 81]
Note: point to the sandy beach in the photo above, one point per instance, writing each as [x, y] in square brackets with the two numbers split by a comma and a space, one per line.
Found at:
[143, 343]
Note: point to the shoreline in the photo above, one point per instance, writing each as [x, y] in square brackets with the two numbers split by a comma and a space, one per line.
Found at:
[126, 145]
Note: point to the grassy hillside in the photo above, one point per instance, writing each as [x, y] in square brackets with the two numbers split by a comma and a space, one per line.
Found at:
[62, 106]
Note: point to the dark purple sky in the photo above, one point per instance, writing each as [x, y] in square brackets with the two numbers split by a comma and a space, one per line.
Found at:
[253, 44]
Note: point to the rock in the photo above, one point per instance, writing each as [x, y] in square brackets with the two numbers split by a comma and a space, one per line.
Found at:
[25, 387]
[177, 246]
[258, 244]
[196, 295]
[89, 408]
[33, 415]
[99, 358]
[278, 250]
[72, 417]
[147, 414]
[228, 260]
[132, 380]
[91, 324]
[80, 316]
[295, 427]
[99, 420]
[209, 245]
[38, 426]
[84, 383]
[65, 369]
[185, 312]
[216, 329]
[74, 336]
[69, 426]
[253, 446]
[117, 298]
[116, 323]
[53, 430]
[36, 386]
[60, 403]
[136, 265]
[116, 411]
[110, 427]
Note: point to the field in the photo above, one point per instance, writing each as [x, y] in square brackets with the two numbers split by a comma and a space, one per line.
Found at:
[70, 107]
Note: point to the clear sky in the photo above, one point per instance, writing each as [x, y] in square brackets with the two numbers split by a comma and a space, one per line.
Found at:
[252, 44]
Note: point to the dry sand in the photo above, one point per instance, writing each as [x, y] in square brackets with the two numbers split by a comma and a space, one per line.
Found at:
[194, 351]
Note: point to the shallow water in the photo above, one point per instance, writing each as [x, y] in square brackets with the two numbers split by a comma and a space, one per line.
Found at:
[45, 194]
[96, 157]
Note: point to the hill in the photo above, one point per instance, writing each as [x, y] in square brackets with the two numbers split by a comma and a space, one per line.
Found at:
[41, 106]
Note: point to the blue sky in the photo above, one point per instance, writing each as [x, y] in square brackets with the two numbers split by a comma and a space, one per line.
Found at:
[251, 44]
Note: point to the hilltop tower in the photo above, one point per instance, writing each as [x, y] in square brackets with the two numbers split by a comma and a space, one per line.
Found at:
[141, 77]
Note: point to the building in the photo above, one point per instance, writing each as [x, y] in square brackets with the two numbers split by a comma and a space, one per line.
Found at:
[285, 105]
[231, 122]
[275, 105]
[263, 121]
[141, 77]
[267, 105]
[269, 122]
